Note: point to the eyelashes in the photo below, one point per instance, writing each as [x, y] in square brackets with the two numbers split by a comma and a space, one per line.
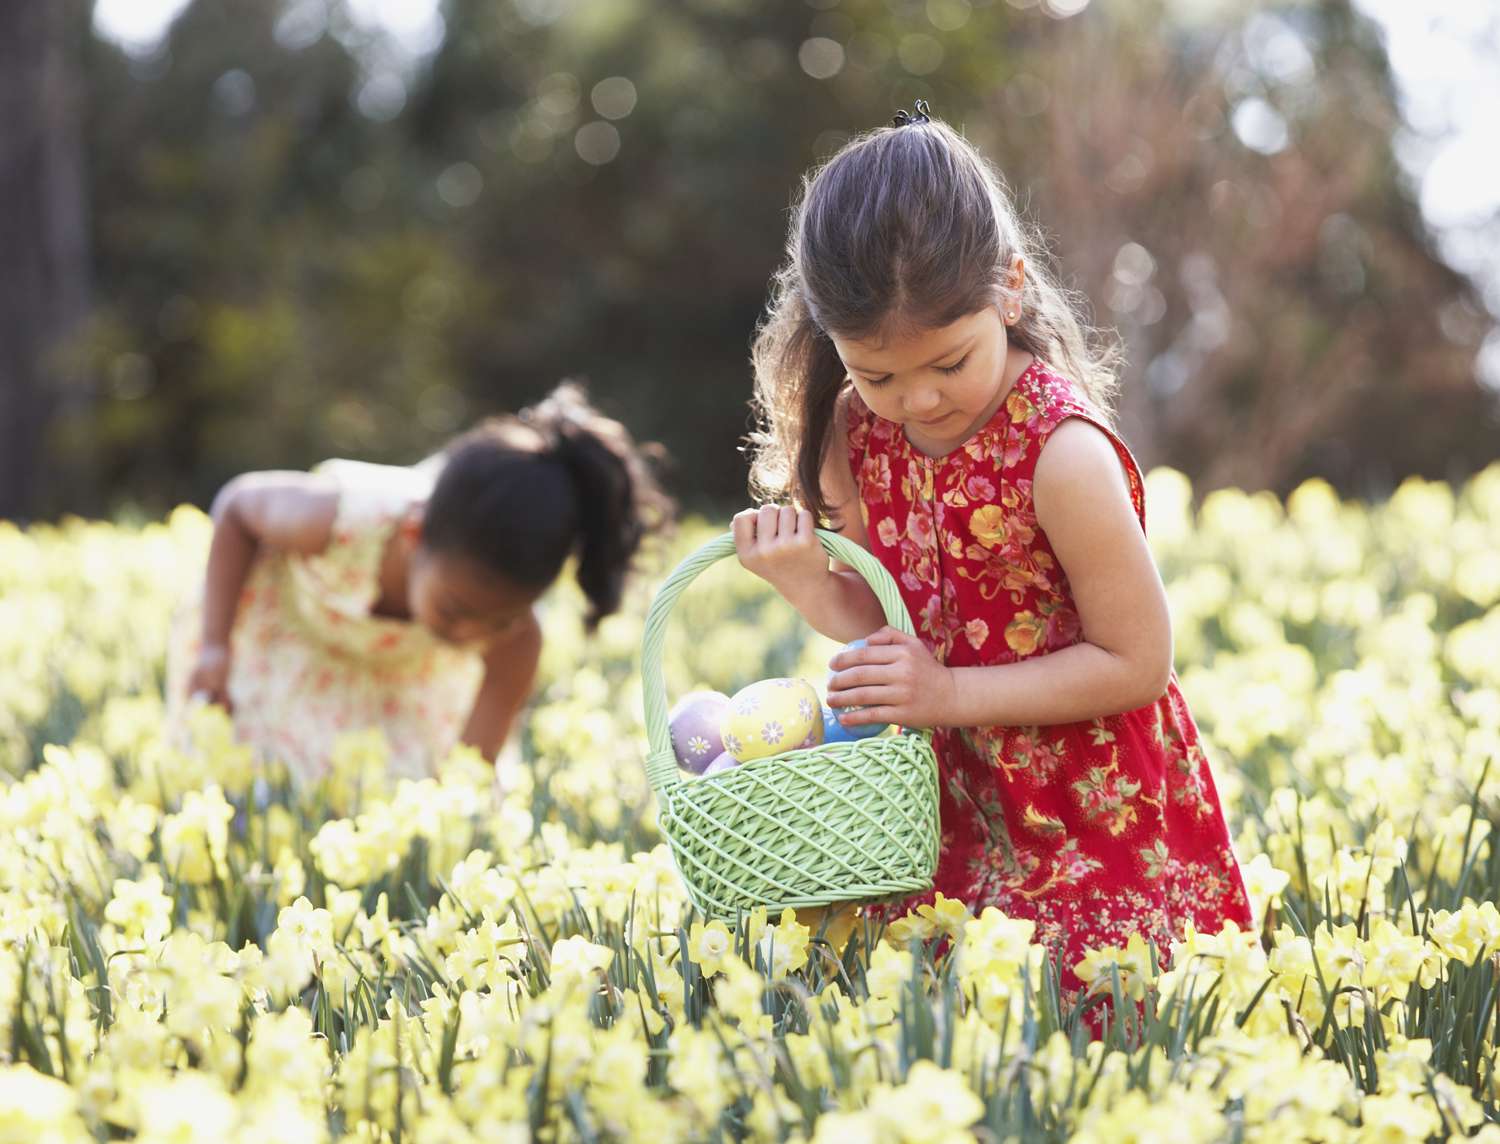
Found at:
[950, 370]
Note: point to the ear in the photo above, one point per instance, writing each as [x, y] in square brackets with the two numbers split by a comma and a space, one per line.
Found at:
[1016, 277]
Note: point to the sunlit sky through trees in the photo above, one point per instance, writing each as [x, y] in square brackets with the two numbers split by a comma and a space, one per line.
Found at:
[1443, 56]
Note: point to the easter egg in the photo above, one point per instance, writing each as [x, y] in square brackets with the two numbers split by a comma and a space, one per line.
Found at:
[696, 725]
[814, 737]
[770, 717]
[724, 762]
[836, 732]
[832, 675]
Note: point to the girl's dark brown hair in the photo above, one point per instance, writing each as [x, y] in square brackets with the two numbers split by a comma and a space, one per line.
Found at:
[906, 228]
[521, 494]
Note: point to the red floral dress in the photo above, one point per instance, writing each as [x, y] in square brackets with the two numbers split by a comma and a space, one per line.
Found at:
[1098, 829]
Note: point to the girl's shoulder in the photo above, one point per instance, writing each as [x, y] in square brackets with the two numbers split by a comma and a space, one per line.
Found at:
[372, 496]
[1052, 399]
[344, 578]
[1042, 399]
[371, 477]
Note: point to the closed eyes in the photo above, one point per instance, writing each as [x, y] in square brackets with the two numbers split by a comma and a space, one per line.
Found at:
[948, 369]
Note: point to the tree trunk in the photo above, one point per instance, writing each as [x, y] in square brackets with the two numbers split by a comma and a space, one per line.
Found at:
[44, 265]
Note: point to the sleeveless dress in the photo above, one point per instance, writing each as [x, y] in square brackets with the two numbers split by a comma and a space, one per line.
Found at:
[1095, 830]
[307, 659]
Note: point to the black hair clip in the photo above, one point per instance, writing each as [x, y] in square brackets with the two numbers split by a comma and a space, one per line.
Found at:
[904, 118]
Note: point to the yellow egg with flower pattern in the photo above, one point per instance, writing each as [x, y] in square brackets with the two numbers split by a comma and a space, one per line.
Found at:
[770, 717]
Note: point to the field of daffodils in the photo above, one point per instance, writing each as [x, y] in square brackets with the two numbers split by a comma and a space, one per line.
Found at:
[191, 950]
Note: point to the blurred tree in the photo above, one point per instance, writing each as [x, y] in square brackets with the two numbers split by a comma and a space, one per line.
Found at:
[1230, 199]
[247, 319]
[44, 257]
[306, 243]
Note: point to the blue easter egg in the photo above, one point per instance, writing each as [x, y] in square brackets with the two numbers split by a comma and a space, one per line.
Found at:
[836, 732]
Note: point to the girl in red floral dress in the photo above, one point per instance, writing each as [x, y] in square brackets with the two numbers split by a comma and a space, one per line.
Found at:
[926, 387]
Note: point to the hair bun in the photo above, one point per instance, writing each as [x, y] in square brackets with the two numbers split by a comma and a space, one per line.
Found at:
[920, 113]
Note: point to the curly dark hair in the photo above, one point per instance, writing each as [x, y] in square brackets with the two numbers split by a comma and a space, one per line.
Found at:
[521, 494]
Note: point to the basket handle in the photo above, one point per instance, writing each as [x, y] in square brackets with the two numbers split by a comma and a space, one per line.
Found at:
[661, 763]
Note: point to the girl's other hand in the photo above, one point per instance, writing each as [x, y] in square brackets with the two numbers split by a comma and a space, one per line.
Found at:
[780, 545]
[893, 679]
[210, 676]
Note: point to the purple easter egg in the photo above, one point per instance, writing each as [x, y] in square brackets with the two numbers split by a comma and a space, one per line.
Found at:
[724, 762]
[696, 725]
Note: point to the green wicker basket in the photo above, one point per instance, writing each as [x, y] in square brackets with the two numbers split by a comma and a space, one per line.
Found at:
[839, 822]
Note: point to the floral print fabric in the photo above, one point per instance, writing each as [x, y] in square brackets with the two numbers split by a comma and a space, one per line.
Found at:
[1096, 830]
[308, 660]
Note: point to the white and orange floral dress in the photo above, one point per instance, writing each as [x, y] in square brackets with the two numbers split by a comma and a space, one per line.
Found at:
[308, 660]
[1096, 830]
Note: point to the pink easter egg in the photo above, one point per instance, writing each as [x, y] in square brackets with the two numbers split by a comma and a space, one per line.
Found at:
[724, 762]
[696, 726]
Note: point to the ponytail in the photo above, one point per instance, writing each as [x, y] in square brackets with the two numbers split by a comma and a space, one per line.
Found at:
[521, 494]
[618, 500]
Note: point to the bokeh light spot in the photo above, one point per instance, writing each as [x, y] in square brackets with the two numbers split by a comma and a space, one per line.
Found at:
[821, 57]
[613, 98]
[597, 143]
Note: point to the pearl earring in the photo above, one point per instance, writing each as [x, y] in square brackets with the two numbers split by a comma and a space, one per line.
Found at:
[1010, 317]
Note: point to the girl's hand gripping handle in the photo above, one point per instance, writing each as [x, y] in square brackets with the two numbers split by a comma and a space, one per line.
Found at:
[781, 546]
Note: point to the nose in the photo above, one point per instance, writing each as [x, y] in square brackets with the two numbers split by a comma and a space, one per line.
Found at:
[923, 402]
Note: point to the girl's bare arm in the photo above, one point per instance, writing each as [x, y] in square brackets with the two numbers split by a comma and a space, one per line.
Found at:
[290, 511]
[510, 664]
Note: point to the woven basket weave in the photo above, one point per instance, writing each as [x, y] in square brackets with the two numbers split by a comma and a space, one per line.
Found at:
[833, 823]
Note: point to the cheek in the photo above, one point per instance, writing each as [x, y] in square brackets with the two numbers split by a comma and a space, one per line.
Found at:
[877, 400]
[419, 600]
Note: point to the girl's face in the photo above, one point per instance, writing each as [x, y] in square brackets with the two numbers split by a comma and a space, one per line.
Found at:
[940, 384]
[460, 602]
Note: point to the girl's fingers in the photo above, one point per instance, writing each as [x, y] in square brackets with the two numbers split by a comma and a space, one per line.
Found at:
[863, 656]
[743, 528]
[766, 522]
[786, 523]
[862, 697]
[870, 675]
[888, 636]
[859, 718]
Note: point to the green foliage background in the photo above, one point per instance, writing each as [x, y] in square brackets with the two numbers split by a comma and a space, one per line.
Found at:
[287, 263]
